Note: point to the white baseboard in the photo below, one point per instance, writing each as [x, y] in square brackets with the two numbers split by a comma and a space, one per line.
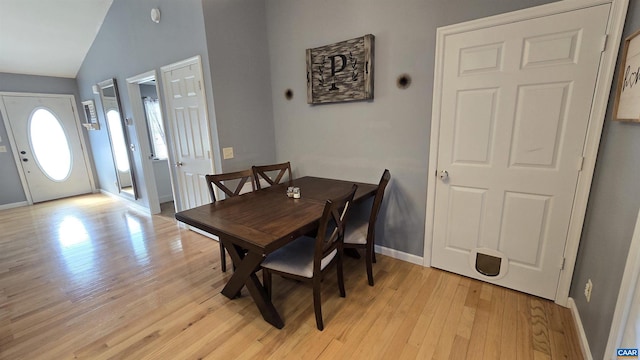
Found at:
[414, 259]
[131, 203]
[584, 343]
[13, 205]
[165, 198]
[201, 232]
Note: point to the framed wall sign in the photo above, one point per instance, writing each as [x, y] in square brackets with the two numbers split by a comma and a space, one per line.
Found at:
[627, 105]
[341, 72]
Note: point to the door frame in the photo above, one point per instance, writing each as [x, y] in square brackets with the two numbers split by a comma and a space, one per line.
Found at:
[14, 148]
[628, 288]
[175, 183]
[600, 100]
[151, 187]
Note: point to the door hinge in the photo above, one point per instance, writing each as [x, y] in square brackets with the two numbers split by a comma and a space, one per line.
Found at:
[200, 85]
[580, 163]
[564, 260]
[605, 37]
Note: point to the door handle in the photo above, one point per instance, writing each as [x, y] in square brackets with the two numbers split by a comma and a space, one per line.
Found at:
[179, 163]
[444, 175]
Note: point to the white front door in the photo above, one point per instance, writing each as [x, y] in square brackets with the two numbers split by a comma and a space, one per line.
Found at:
[515, 106]
[46, 138]
[187, 115]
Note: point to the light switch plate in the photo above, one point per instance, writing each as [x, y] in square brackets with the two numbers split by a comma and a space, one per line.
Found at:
[227, 153]
[3, 149]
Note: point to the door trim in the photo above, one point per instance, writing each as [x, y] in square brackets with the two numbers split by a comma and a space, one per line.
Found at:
[596, 119]
[14, 148]
[626, 293]
[150, 185]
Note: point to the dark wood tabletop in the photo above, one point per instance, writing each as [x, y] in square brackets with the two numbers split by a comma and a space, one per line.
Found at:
[262, 221]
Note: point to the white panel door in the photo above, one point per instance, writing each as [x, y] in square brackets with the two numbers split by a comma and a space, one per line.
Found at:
[516, 101]
[45, 134]
[187, 114]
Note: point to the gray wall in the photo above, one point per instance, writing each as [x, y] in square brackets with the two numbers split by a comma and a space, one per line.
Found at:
[239, 57]
[352, 140]
[237, 76]
[610, 220]
[10, 186]
[128, 44]
[357, 141]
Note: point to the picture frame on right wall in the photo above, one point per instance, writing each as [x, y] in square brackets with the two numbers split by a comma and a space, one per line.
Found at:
[627, 104]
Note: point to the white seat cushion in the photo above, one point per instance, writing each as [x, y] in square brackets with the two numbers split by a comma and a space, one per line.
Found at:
[356, 233]
[296, 258]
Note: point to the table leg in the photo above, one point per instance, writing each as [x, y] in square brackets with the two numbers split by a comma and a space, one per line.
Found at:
[245, 275]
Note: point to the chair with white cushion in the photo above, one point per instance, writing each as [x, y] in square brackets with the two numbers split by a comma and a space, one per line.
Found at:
[361, 235]
[235, 180]
[307, 258]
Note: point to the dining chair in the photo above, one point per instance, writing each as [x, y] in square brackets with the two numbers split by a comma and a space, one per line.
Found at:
[239, 178]
[307, 258]
[362, 234]
[277, 171]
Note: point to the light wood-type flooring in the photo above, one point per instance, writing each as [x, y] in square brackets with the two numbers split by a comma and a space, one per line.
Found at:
[91, 278]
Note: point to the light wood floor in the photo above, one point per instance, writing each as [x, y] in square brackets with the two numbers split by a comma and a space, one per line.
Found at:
[90, 278]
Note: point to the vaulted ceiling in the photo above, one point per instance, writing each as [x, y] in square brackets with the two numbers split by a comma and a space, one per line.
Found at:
[48, 37]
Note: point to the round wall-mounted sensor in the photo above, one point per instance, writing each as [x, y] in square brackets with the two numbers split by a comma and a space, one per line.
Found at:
[155, 15]
[404, 81]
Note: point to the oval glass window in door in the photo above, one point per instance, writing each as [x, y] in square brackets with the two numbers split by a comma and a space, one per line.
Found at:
[50, 145]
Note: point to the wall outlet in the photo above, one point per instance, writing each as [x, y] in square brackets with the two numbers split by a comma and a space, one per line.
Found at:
[227, 153]
[3, 149]
[587, 290]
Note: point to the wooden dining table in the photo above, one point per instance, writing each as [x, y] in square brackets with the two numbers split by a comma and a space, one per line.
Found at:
[255, 224]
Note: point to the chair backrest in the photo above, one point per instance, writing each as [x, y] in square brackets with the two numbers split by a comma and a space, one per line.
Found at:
[263, 171]
[220, 180]
[331, 229]
[377, 202]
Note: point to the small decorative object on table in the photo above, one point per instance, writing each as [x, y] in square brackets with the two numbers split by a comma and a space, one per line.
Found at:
[296, 193]
[290, 191]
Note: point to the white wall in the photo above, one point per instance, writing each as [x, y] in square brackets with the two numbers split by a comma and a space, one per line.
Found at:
[357, 141]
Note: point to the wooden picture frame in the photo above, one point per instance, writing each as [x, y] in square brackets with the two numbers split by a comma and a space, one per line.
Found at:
[627, 103]
[341, 72]
[90, 115]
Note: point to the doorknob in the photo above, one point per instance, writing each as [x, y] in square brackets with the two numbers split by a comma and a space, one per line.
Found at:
[179, 163]
[444, 175]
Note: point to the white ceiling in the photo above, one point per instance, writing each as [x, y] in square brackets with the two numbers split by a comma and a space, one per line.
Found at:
[48, 37]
